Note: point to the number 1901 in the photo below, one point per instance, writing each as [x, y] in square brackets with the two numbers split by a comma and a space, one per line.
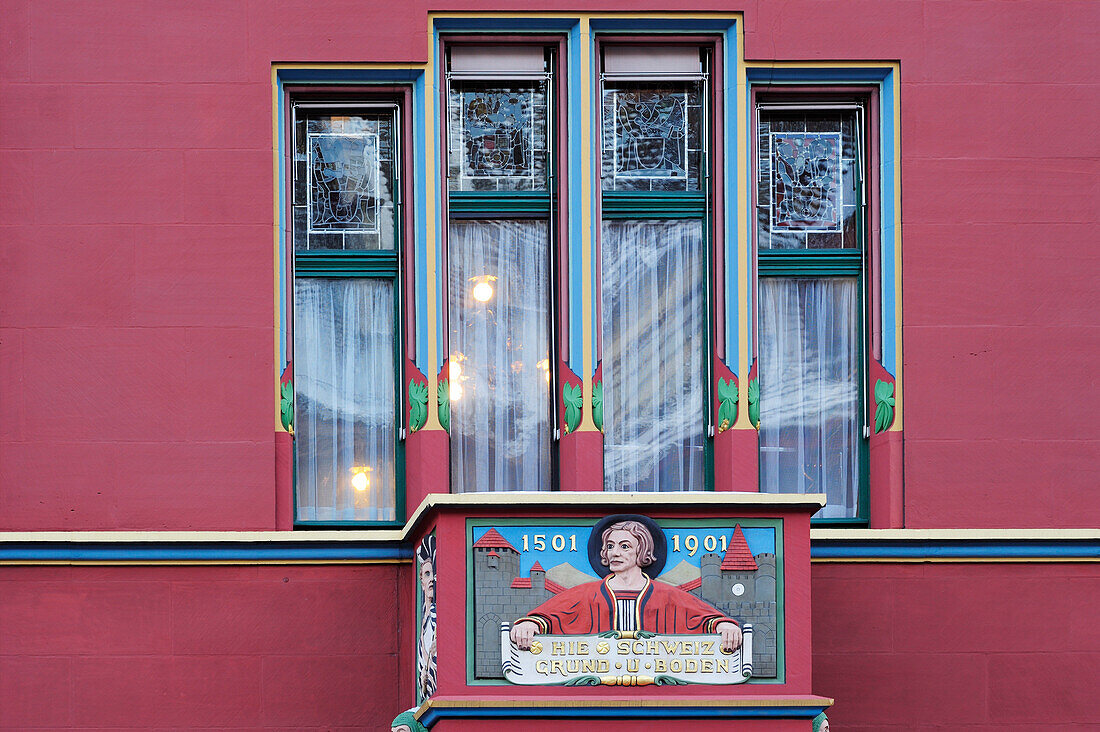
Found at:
[691, 543]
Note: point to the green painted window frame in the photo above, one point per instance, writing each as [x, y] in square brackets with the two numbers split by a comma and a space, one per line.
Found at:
[695, 205]
[521, 204]
[383, 264]
[822, 263]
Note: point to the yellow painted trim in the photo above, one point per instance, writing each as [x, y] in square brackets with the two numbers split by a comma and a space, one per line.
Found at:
[122, 537]
[431, 237]
[276, 192]
[587, 172]
[576, 703]
[746, 285]
[899, 403]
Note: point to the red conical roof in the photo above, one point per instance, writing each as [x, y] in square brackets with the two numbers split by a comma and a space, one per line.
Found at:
[493, 540]
[537, 567]
[738, 557]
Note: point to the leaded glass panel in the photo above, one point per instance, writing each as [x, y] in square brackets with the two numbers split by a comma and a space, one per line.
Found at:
[344, 180]
[497, 136]
[652, 136]
[809, 178]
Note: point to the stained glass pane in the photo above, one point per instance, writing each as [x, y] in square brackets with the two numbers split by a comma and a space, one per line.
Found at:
[808, 179]
[652, 137]
[497, 137]
[344, 179]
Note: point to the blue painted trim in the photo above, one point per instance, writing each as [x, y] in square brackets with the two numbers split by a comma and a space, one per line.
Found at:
[734, 128]
[280, 144]
[420, 224]
[820, 74]
[954, 549]
[501, 25]
[574, 262]
[433, 177]
[154, 552]
[435, 714]
[663, 25]
[345, 75]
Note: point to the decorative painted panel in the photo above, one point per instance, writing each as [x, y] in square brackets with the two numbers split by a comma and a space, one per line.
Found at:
[806, 181]
[344, 180]
[651, 137]
[426, 655]
[497, 137]
[625, 600]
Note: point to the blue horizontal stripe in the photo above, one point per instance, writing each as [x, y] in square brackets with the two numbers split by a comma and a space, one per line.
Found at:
[946, 549]
[332, 75]
[834, 74]
[488, 25]
[151, 552]
[663, 25]
[435, 714]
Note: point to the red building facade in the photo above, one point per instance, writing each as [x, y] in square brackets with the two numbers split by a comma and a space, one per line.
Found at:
[169, 560]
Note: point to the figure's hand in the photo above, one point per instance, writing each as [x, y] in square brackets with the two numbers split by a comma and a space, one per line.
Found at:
[522, 633]
[731, 636]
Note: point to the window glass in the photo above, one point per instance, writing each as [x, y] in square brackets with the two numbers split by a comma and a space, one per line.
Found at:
[652, 136]
[654, 324]
[344, 399]
[497, 137]
[808, 183]
[344, 180]
[499, 380]
[809, 389]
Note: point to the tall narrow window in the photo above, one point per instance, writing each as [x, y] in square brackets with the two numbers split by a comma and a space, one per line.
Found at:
[499, 176]
[809, 233]
[345, 227]
[654, 268]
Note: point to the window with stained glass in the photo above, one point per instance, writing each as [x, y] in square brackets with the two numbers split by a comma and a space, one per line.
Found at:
[654, 255]
[810, 206]
[346, 240]
[500, 373]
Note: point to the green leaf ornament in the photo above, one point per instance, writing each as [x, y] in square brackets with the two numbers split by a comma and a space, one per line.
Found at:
[754, 402]
[884, 405]
[727, 404]
[418, 405]
[443, 399]
[286, 406]
[597, 405]
[571, 396]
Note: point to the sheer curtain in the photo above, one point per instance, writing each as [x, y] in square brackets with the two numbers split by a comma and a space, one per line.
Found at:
[809, 389]
[499, 354]
[653, 315]
[344, 399]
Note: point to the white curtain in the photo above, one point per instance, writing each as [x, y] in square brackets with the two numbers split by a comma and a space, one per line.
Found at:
[344, 399]
[498, 294]
[653, 319]
[809, 390]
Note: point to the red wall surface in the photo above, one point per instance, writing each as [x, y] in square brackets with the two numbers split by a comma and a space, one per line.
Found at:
[300, 647]
[136, 303]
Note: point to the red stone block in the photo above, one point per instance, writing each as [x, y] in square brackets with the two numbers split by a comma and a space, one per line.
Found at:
[880, 689]
[951, 279]
[272, 616]
[106, 186]
[34, 692]
[1044, 688]
[62, 618]
[133, 41]
[68, 275]
[300, 30]
[178, 116]
[300, 691]
[231, 386]
[1017, 120]
[227, 187]
[860, 30]
[107, 383]
[36, 116]
[163, 691]
[11, 399]
[852, 614]
[182, 277]
[54, 486]
[17, 205]
[967, 42]
[15, 50]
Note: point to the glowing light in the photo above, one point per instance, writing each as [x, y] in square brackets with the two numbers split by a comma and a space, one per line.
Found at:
[360, 478]
[456, 392]
[454, 368]
[483, 292]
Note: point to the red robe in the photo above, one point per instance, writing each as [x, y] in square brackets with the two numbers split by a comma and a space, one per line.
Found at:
[591, 608]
